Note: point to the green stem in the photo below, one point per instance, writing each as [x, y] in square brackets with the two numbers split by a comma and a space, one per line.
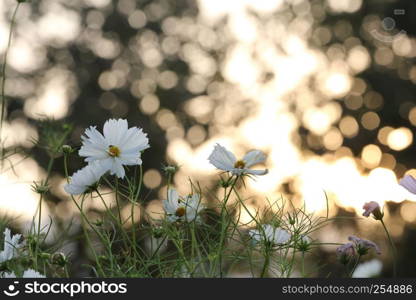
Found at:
[355, 266]
[224, 228]
[292, 262]
[3, 82]
[392, 247]
[136, 197]
[303, 264]
[118, 204]
[87, 237]
[266, 263]
[49, 169]
[85, 219]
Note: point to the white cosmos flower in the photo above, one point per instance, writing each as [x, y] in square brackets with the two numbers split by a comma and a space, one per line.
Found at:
[182, 208]
[30, 273]
[7, 275]
[83, 179]
[118, 146]
[225, 160]
[270, 234]
[11, 246]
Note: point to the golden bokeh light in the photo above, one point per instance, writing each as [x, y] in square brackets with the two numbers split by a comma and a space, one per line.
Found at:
[383, 134]
[149, 104]
[412, 116]
[371, 156]
[400, 138]
[370, 120]
[407, 211]
[152, 178]
[293, 86]
[349, 126]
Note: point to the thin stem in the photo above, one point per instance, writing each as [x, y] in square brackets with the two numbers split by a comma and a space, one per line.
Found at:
[133, 229]
[50, 164]
[355, 266]
[223, 229]
[118, 222]
[392, 247]
[118, 203]
[292, 261]
[3, 82]
[85, 219]
[266, 263]
[303, 264]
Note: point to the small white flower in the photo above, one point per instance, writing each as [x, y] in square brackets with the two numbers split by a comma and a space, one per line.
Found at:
[182, 208]
[11, 246]
[30, 273]
[83, 179]
[118, 146]
[226, 161]
[7, 275]
[306, 239]
[270, 234]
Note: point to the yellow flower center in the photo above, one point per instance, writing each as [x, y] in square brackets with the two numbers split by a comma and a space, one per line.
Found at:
[239, 164]
[113, 151]
[180, 212]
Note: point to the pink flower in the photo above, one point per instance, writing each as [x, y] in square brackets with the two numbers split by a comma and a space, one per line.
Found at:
[409, 182]
[362, 246]
[346, 249]
[346, 252]
[372, 208]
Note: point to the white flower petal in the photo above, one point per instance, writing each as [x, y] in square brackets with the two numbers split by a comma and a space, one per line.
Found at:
[254, 157]
[191, 204]
[256, 172]
[30, 273]
[94, 144]
[281, 236]
[222, 158]
[128, 143]
[225, 160]
[86, 177]
[114, 130]
[7, 275]
[277, 236]
[117, 168]
[11, 245]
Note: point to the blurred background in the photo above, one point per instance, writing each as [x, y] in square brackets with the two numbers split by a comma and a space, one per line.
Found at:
[325, 87]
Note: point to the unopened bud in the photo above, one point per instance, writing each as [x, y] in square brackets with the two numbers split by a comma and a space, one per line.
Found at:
[170, 169]
[40, 188]
[66, 149]
[59, 259]
[44, 255]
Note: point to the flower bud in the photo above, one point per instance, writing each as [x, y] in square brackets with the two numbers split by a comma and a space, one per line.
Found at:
[170, 169]
[373, 208]
[304, 244]
[345, 253]
[363, 246]
[44, 255]
[40, 188]
[59, 259]
[66, 149]
[158, 232]
[98, 223]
